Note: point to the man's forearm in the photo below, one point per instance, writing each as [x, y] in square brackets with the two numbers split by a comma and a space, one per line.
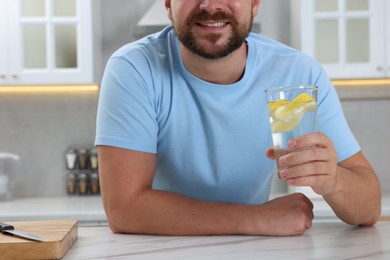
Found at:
[165, 213]
[357, 196]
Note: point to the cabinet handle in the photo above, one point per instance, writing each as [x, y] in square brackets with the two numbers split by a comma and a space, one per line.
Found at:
[2, 76]
[379, 68]
[15, 76]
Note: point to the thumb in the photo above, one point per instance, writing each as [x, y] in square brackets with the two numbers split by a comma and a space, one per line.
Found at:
[270, 153]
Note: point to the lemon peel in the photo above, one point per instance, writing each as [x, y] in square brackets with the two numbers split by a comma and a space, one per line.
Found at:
[272, 106]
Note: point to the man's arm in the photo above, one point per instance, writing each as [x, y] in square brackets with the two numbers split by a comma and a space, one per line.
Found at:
[350, 187]
[132, 206]
[356, 198]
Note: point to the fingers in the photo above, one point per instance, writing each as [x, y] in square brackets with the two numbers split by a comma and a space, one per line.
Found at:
[317, 139]
[313, 154]
[303, 198]
[312, 181]
[303, 163]
[313, 162]
[317, 173]
[304, 155]
[315, 169]
[290, 215]
[321, 176]
[307, 209]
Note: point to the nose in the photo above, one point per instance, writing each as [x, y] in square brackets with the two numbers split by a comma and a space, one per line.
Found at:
[211, 5]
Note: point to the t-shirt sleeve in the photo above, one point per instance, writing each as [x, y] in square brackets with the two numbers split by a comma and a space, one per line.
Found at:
[331, 120]
[126, 115]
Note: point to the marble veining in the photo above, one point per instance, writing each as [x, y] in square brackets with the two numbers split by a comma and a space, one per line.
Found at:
[335, 240]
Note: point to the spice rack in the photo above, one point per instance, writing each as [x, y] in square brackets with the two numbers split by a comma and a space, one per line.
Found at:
[82, 176]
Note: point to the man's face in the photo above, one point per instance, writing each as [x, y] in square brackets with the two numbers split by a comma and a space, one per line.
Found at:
[212, 29]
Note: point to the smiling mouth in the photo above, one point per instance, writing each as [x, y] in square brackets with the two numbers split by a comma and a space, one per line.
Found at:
[213, 25]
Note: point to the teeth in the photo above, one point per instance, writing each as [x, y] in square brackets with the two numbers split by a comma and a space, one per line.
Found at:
[215, 25]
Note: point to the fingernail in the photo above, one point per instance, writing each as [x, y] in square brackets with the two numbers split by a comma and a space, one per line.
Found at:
[282, 160]
[283, 174]
[292, 143]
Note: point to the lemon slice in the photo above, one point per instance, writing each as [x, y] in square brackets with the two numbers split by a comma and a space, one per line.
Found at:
[272, 106]
[295, 108]
[279, 126]
[304, 97]
[285, 116]
[303, 100]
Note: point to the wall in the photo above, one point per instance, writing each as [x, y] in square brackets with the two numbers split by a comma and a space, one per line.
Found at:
[40, 127]
[119, 19]
[367, 111]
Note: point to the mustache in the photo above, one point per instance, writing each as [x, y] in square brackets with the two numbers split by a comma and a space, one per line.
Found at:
[206, 16]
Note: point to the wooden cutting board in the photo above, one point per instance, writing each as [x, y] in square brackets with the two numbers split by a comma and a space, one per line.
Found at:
[58, 235]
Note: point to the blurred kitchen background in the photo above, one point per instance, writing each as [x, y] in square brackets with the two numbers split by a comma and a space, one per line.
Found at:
[41, 126]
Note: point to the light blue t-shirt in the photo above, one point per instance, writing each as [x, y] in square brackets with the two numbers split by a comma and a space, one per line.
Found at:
[210, 139]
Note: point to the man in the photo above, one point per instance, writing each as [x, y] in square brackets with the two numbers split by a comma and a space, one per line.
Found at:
[183, 132]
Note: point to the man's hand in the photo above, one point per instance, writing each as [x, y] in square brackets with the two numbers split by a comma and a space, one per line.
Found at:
[350, 187]
[287, 216]
[313, 163]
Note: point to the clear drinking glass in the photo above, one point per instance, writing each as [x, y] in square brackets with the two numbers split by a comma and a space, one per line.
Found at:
[292, 112]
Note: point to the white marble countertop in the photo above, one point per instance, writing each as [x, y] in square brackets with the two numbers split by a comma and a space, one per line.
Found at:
[88, 210]
[322, 241]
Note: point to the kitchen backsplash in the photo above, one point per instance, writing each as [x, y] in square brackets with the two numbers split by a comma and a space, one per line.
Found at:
[40, 127]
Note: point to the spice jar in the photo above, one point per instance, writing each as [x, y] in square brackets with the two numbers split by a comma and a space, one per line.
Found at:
[93, 159]
[71, 158]
[82, 183]
[82, 157]
[71, 183]
[94, 183]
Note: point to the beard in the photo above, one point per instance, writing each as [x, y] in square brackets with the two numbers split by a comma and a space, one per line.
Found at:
[236, 39]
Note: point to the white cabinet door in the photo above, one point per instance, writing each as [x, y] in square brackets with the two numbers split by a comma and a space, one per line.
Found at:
[346, 36]
[387, 42]
[3, 41]
[48, 41]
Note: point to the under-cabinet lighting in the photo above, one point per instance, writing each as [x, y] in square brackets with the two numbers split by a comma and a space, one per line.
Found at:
[360, 82]
[95, 88]
[49, 89]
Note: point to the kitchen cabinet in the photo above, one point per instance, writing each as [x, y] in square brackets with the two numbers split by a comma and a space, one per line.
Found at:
[47, 41]
[350, 38]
